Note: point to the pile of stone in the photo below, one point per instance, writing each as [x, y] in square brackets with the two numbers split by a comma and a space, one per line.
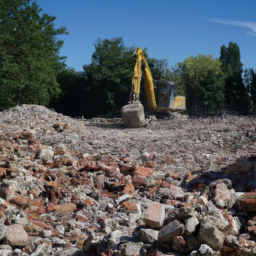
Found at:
[58, 199]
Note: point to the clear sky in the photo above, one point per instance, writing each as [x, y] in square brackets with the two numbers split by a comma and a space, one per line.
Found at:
[169, 29]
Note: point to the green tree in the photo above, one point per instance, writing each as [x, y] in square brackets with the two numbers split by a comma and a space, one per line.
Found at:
[109, 76]
[249, 79]
[73, 89]
[237, 98]
[204, 84]
[176, 76]
[29, 54]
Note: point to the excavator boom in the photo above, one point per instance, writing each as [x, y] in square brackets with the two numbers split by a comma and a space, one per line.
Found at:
[133, 114]
[142, 68]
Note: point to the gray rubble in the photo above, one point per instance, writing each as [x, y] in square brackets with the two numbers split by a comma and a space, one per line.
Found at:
[181, 186]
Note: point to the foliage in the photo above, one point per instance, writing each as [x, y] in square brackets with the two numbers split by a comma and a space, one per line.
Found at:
[237, 98]
[204, 84]
[249, 79]
[108, 77]
[72, 97]
[159, 68]
[176, 76]
[29, 54]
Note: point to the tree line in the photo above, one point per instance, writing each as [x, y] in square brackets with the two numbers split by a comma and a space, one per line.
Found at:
[33, 72]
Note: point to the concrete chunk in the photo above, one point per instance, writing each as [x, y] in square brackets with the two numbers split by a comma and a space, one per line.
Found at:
[211, 235]
[169, 231]
[133, 115]
[154, 215]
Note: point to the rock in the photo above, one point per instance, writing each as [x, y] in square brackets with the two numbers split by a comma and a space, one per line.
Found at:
[114, 238]
[3, 229]
[142, 171]
[191, 224]
[130, 206]
[68, 208]
[223, 195]
[132, 249]
[169, 231]
[129, 189]
[211, 235]
[46, 154]
[179, 244]
[247, 202]
[192, 243]
[71, 252]
[212, 214]
[16, 235]
[133, 115]
[205, 250]
[176, 192]
[123, 198]
[6, 252]
[154, 215]
[240, 167]
[148, 236]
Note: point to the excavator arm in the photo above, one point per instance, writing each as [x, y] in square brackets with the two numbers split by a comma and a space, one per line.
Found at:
[142, 68]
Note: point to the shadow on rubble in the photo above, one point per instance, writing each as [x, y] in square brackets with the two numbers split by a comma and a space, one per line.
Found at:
[241, 174]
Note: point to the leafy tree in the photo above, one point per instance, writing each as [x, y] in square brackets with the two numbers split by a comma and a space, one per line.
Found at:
[249, 79]
[237, 98]
[109, 76]
[73, 89]
[29, 54]
[176, 76]
[159, 68]
[204, 84]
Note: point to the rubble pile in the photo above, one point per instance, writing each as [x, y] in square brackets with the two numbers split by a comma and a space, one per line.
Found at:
[176, 187]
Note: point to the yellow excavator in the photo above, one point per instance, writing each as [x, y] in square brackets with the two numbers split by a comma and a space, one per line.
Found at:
[167, 97]
[166, 91]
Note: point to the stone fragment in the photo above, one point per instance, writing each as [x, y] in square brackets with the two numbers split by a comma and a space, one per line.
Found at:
[133, 115]
[129, 189]
[154, 215]
[150, 164]
[205, 250]
[3, 230]
[148, 236]
[132, 249]
[223, 195]
[239, 167]
[176, 192]
[191, 224]
[142, 171]
[179, 244]
[71, 252]
[69, 208]
[139, 180]
[46, 154]
[6, 252]
[122, 198]
[211, 235]
[192, 243]
[126, 168]
[169, 231]
[214, 216]
[247, 202]
[114, 238]
[16, 235]
[130, 206]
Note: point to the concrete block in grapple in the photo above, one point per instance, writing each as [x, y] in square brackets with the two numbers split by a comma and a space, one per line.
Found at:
[133, 115]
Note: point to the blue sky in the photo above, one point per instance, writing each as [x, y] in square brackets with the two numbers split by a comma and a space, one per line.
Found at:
[169, 29]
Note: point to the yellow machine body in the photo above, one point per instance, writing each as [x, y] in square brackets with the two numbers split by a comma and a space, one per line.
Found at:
[179, 103]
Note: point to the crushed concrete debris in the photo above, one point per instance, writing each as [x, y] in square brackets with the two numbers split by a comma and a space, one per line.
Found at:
[93, 187]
